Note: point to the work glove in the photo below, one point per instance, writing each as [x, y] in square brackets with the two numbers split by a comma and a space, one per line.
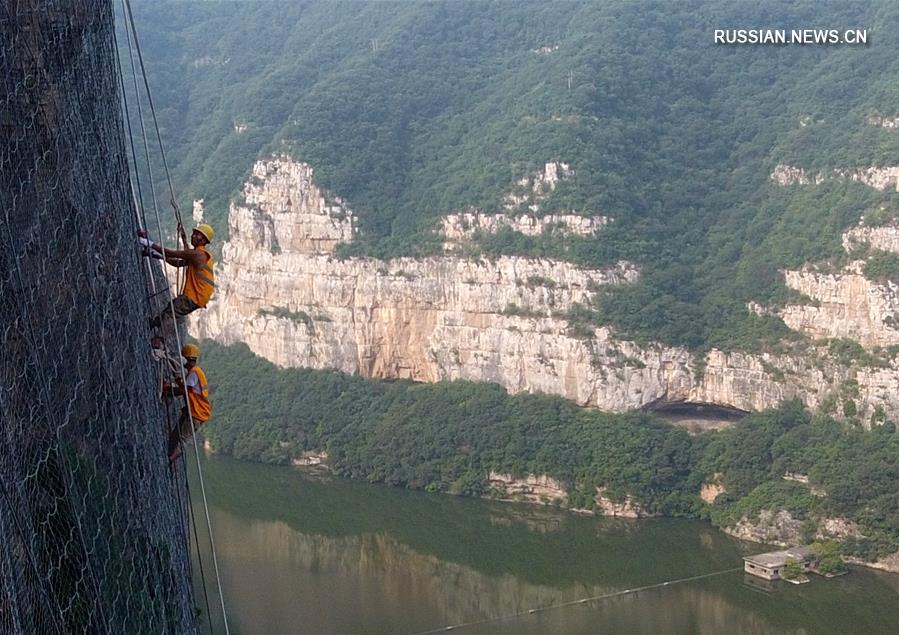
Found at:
[149, 250]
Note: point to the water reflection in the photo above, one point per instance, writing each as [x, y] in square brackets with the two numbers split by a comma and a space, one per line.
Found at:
[301, 555]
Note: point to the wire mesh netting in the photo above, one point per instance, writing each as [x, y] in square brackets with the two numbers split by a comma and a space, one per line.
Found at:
[92, 519]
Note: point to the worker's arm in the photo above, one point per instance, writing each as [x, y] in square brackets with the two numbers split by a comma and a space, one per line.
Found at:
[193, 383]
[176, 262]
[181, 257]
[176, 388]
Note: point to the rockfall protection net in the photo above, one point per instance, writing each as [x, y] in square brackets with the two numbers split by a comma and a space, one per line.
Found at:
[94, 538]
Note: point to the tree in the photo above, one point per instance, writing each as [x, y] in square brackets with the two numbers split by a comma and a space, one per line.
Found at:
[829, 557]
[792, 569]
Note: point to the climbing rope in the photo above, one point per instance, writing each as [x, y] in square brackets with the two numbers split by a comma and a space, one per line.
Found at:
[126, 5]
[150, 280]
[140, 57]
[582, 601]
[143, 129]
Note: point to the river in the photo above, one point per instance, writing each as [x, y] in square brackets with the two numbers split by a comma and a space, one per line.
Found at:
[308, 553]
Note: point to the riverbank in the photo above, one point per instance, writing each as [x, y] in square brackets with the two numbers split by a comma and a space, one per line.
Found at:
[451, 437]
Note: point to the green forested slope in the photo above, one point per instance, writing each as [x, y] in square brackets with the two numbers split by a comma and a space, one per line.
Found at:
[412, 109]
[447, 437]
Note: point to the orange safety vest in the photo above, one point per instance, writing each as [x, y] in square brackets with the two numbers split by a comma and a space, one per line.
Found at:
[200, 408]
[200, 281]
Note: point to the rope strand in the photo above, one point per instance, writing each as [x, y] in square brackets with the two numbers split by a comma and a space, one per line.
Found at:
[130, 17]
[143, 71]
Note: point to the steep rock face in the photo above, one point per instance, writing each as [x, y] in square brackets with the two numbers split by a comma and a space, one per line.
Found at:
[531, 191]
[846, 303]
[627, 508]
[532, 488]
[891, 123]
[880, 178]
[544, 490]
[285, 211]
[281, 292]
[885, 238]
[461, 227]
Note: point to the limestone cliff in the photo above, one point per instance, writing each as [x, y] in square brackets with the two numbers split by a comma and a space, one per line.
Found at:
[878, 177]
[545, 490]
[283, 292]
[890, 123]
[461, 227]
[846, 304]
[531, 191]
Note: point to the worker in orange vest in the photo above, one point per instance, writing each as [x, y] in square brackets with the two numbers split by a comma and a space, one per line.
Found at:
[199, 283]
[197, 400]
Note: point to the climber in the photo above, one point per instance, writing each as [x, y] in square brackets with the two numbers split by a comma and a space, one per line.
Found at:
[197, 401]
[199, 282]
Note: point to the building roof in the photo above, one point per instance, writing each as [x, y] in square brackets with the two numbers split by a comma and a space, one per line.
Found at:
[779, 558]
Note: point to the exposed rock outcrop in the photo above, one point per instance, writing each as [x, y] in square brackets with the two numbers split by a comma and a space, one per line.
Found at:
[312, 459]
[878, 177]
[771, 527]
[712, 489]
[884, 238]
[283, 210]
[545, 490]
[846, 303]
[282, 292]
[462, 226]
[531, 191]
[814, 490]
[891, 123]
[198, 211]
[627, 508]
[886, 563]
[782, 529]
[531, 488]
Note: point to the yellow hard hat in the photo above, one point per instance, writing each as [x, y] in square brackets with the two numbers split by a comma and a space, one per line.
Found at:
[206, 230]
[190, 350]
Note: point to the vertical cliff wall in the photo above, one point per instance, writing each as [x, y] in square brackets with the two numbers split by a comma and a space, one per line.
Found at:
[282, 291]
[93, 536]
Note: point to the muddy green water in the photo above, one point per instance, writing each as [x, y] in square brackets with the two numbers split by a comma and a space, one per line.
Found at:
[305, 553]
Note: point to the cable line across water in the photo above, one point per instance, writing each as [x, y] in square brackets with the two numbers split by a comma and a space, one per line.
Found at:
[582, 601]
